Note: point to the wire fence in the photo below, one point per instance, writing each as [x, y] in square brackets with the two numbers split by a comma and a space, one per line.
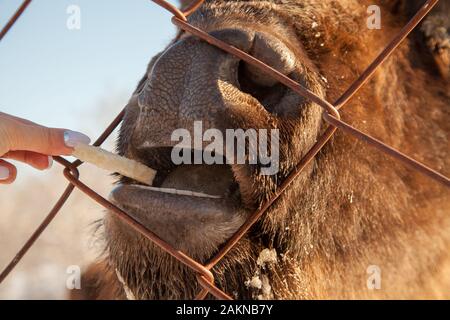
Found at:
[331, 117]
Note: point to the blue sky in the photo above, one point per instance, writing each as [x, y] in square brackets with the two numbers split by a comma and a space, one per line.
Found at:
[56, 76]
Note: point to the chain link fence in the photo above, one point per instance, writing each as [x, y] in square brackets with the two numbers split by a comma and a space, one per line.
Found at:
[331, 117]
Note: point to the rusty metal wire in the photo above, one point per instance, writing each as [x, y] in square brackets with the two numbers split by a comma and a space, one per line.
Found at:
[14, 18]
[331, 116]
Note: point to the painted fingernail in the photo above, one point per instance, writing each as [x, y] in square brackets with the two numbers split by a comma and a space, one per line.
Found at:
[50, 162]
[4, 173]
[72, 138]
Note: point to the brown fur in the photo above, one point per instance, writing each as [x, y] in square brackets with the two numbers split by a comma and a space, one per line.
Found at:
[99, 282]
[352, 207]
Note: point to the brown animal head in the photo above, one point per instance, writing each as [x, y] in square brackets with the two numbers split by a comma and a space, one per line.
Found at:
[350, 207]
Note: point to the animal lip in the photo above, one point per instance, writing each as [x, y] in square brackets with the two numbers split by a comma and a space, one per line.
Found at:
[181, 184]
[202, 181]
[143, 200]
[191, 220]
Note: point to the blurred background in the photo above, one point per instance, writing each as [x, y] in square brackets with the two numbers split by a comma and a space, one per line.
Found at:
[80, 79]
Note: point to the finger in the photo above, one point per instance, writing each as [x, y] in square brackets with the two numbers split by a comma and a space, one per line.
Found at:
[45, 140]
[13, 118]
[8, 172]
[36, 160]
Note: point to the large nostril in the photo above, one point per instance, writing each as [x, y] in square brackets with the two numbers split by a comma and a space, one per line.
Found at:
[275, 54]
[267, 95]
[270, 50]
[262, 46]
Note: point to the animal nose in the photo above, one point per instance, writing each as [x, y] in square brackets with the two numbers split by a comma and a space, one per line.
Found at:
[189, 82]
[195, 81]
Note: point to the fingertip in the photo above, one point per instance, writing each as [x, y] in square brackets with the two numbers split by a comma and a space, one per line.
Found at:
[40, 162]
[8, 172]
[4, 173]
[59, 144]
[68, 139]
[72, 138]
[36, 160]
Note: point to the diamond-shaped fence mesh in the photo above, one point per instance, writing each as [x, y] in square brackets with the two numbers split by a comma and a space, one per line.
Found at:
[331, 117]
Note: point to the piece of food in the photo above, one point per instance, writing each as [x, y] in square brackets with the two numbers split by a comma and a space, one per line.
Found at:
[114, 163]
[129, 168]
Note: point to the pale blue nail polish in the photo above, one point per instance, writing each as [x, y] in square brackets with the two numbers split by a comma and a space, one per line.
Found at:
[72, 138]
[4, 173]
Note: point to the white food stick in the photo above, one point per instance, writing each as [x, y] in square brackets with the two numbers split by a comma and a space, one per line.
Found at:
[114, 163]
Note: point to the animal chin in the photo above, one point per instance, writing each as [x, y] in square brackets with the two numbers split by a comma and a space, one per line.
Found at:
[195, 208]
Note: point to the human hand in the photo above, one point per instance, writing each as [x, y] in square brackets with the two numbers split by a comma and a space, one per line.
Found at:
[33, 144]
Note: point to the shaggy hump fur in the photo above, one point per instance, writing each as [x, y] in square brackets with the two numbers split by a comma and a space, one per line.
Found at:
[352, 207]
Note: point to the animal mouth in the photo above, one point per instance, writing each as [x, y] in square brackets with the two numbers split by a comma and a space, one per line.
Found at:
[195, 208]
